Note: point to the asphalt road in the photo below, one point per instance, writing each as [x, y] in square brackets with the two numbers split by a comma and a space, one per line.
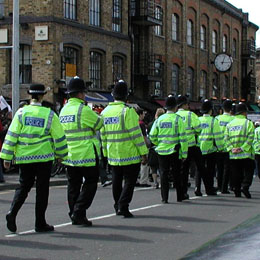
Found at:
[193, 229]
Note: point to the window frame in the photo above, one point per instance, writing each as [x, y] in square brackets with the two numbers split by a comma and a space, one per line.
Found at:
[117, 16]
[25, 70]
[95, 13]
[70, 9]
[225, 43]
[214, 41]
[175, 78]
[158, 30]
[190, 82]
[190, 32]
[175, 27]
[203, 37]
[95, 72]
[118, 67]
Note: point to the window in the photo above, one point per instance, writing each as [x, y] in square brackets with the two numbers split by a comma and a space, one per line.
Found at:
[190, 82]
[175, 27]
[225, 43]
[203, 84]
[235, 88]
[158, 16]
[25, 64]
[214, 41]
[70, 9]
[234, 48]
[175, 79]
[189, 32]
[226, 87]
[117, 16]
[215, 85]
[95, 69]
[158, 68]
[94, 12]
[117, 68]
[203, 37]
[69, 63]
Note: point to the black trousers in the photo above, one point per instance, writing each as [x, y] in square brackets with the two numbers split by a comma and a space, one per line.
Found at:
[29, 173]
[242, 173]
[209, 161]
[223, 175]
[82, 187]
[170, 165]
[123, 194]
[257, 158]
[195, 154]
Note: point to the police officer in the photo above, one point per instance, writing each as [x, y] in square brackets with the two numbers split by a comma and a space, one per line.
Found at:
[80, 123]
[34, 138]
[192, 129]
[123, 145]
[210, 141]
[168, 134]
[239, 136]
[223, 164]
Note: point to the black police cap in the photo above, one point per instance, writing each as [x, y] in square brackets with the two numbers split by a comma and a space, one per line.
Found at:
[206, 106]
[76, 84]
[37, 89]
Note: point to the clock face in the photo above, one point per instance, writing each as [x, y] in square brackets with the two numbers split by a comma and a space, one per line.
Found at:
[223, 62]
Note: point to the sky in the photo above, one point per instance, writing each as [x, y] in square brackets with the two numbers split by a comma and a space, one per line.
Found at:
[251, 7]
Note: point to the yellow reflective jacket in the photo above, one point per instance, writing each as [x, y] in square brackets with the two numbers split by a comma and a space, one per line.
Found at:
[80, 124]
[121, 136]
[35, 135]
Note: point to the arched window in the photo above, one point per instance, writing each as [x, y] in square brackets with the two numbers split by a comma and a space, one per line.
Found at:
[25, 64]
[203, 37]
[203, 84]
[117, 15]
[214, 42]
[190, 82]
[95, 69]
[70, 9]
[225, 43]
[234, 48]
[69, 63]
[158, 16]
[235, 88]
[118, 68]
[190, 34]
[175, 27]
[226, 92]
[175, 78]
[215, 85]
[94, 12]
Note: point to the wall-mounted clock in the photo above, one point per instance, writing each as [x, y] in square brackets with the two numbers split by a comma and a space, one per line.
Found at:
[223, 62]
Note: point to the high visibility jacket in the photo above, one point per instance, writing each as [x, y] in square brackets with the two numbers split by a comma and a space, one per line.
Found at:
[240, 134]
[256, 142]
[191, 124]
[223, 121]
[121, 136]
[35, 135]
[211, 137]
[80, 123]
[168, 135]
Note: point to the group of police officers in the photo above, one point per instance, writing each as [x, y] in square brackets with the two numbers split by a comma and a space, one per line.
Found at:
[37, 136]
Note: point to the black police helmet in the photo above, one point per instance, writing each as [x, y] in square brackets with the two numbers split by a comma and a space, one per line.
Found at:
[76, 84]
[241, 108]
[120, 90]
[227, 105]
[206, 106]
[170, 102]
[37, 89]
[182, 100]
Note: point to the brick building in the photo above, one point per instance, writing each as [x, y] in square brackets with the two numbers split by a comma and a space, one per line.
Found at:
[157, 46]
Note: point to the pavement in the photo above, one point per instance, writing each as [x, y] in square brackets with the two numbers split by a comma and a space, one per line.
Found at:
[12, 181]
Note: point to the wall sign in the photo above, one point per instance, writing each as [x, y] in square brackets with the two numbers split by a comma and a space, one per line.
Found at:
[3, 35]
[41, 33]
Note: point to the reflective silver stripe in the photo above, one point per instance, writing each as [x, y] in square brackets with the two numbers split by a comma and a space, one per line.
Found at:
[166, 151]
[176, 124]
[183, 140]
[98, 121]
[39, 142]
[78, 130]
[20, 116]
[61, 148]
[235, 136]
[123, 118]
[12, 134]
[219, 138]
[240, 155]
[79, 115]
[48, 127]
[122, 131]
[10, 143]
[206, 139]
[206, 134]
[60, 139]
[191, 143]
[196, 127]
[124, 139]
[169, 142]
[7, 152]
[32, 135]
[163, 136]
[189, 119]
[81, 138]
[140, 144]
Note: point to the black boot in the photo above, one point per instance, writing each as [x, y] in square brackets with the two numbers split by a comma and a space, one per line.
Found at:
[10, 218]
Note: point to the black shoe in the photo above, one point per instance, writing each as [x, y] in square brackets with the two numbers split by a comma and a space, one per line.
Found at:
[211, 193]
[237, 194]
[126, 214]
[137, 184]
[165, 201]
[225, 192]
[145, 185]
[46, 228]
[185, 196]
[198, 193]
[81, 221]
[106, 183]
[246, 193]
[11, 225]
[2, 181]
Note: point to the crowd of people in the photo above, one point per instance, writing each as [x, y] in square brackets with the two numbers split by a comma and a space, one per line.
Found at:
[87, 141]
